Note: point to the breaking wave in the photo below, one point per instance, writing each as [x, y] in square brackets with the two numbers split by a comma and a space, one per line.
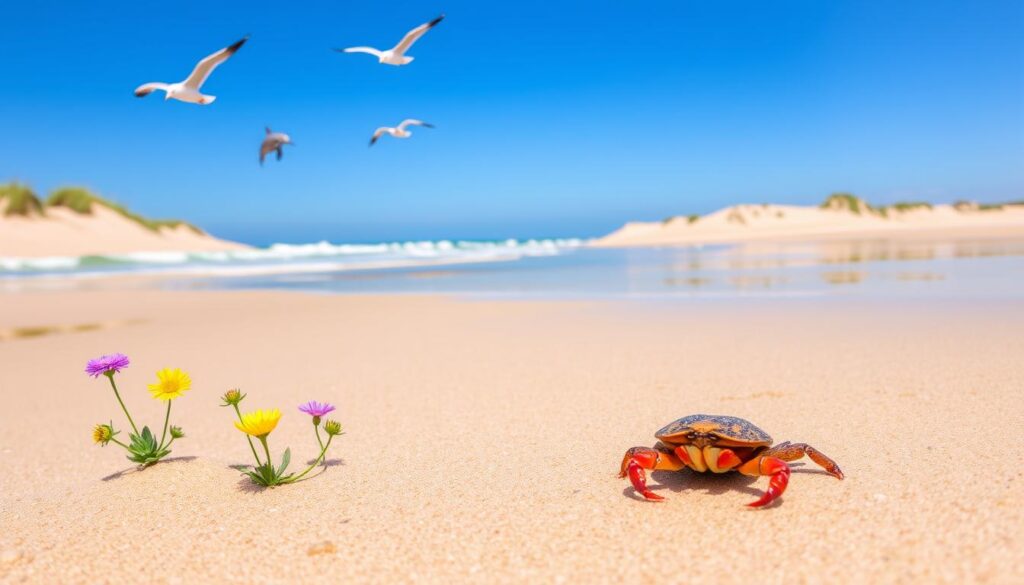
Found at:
[280, 258]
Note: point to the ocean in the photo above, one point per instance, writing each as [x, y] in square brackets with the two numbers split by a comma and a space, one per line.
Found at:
[563, 268]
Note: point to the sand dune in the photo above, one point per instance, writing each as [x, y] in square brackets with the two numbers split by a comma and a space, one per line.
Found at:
[63, 232]
[741, 223]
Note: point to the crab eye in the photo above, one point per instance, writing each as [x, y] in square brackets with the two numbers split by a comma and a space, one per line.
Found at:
[691, 436]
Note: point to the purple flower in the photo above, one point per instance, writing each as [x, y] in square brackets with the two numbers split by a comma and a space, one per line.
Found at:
[107, 364]
[316, 409]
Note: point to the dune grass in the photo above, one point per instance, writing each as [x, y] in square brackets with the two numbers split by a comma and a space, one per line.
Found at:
[18, 199]
[81, 200]
[847, 201]
[910, 205]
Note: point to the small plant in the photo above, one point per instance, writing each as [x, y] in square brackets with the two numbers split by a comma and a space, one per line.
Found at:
[142, 447]
[261, 423]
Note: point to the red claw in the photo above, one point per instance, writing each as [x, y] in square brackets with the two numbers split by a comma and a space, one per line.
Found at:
[779, 472]
[639, 480]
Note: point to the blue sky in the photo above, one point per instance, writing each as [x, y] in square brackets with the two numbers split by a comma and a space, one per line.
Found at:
[553, 118]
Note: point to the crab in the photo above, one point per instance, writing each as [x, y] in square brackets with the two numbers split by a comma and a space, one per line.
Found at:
[719, 444]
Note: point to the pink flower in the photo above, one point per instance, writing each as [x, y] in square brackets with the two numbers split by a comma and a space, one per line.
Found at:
[316, 409]
[107, 364]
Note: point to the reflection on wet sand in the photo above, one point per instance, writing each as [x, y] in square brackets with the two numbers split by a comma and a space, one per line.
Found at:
[692, 281]
[767, 265]
[843, 277]
[920, 276]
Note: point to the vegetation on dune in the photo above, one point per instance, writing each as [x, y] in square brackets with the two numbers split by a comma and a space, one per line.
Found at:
[692, 218]
[854, 204]
[81, 200]
[846, 201]
[910, 205]
[18, 199]
[990, 206]
[966, 205]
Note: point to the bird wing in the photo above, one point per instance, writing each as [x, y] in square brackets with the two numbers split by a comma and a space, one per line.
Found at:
[377, 134]
[269, 145]
[414, 35]
[205, 67]
[148, 88]
[369, 50]
[412, 122]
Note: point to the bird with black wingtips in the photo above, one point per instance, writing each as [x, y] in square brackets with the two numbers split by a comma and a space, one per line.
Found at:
[399, 131]
[396, 54]
[188, 90]
[274, 141]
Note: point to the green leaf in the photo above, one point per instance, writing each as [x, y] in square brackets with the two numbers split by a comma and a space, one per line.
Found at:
[269, 476]
[256, 478]
[146, 435]
[285, 461]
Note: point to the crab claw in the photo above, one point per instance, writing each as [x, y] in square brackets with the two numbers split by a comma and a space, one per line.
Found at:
[779, 472]
[634, 462]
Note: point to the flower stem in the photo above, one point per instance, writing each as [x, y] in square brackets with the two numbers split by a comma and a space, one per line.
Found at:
[315, 462]
[247, 437]
[263, 439]
[316, 429]
[167, 419]
[125, 409]
[113, 440]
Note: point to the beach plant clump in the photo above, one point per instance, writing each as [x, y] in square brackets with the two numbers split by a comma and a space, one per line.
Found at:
[142, 446]
[18, 199]
[846, 202]
[260, 423]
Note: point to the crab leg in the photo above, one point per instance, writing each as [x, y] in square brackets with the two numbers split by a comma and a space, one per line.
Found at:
[637, 459]
[771, 466]
[792, 451]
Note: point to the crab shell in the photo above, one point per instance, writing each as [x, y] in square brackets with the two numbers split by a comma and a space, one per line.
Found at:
[725, 431]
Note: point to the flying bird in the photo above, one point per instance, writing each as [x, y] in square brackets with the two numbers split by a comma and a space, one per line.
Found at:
[188, 90]
[273, 141]
[398, 131]
[396, 55]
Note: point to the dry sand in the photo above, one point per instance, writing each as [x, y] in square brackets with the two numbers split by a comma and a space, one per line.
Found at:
[483, 440]
[751, 223]
[63, 232]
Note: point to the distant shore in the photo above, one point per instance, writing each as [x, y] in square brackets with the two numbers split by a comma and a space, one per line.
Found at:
[841, 216]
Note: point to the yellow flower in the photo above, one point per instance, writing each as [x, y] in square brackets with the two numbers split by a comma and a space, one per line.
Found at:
[170, 384]
[102, 434]
[259, 423]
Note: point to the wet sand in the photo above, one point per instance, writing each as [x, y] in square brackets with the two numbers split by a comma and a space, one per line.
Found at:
[483, 440]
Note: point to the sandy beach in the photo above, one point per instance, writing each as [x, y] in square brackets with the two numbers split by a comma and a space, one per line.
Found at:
[483, 440]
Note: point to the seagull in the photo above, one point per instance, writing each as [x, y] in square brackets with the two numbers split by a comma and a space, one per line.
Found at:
[396, 55]
[274, 141]
[188, 90]
[399, 131]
